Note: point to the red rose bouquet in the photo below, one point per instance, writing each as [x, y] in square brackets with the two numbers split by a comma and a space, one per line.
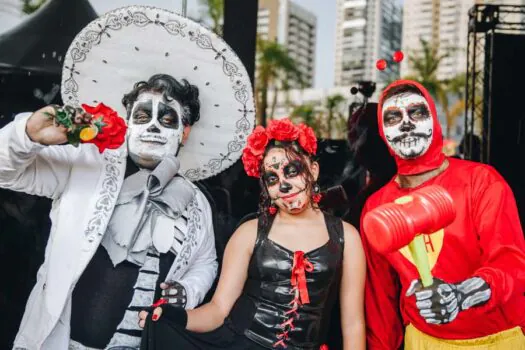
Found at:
[279, 130]
[102, 126]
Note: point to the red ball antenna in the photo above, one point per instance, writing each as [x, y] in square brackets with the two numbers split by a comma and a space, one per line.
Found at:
[397, 57]
[381, 64]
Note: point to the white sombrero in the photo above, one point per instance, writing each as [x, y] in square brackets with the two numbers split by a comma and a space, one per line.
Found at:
[131, 44]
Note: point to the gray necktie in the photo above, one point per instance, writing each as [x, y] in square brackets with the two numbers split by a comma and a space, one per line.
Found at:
[147, 205]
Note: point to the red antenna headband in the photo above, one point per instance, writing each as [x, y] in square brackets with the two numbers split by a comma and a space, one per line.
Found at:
[397, 57]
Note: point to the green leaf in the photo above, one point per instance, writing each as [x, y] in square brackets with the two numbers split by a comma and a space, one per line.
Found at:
[99, 123]
[73, 137]
[73, 140]
[29, 6]
[63, 118]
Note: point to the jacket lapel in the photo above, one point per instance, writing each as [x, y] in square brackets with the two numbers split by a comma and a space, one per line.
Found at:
[190, 242]
[101, 206]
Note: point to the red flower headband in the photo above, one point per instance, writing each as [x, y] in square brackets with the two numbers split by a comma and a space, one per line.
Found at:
[280, 130]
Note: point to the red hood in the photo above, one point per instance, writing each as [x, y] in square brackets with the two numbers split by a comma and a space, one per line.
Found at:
[433, 157]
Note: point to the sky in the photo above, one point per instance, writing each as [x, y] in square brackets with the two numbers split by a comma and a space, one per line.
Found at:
[325, 11]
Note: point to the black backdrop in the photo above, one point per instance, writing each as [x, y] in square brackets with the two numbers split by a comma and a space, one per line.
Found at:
[507, 121]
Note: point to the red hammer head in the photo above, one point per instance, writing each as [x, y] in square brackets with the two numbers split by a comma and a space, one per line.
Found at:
[392, 226]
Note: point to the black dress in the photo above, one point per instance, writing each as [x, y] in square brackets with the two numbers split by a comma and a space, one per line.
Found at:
[286, 301]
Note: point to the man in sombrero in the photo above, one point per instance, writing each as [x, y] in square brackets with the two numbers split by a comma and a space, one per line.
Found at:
[128, 224]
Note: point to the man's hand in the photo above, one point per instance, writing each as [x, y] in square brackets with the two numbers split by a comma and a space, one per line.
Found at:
[42, 127]
[174, 293]
[441, 302]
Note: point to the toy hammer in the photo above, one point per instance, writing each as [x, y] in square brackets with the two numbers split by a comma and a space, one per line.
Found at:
[392, 226]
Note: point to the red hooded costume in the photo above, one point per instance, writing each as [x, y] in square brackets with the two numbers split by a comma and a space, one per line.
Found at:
[485, 240]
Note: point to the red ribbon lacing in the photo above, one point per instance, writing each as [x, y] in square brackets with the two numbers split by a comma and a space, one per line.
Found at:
[159, 303]
[301, 265]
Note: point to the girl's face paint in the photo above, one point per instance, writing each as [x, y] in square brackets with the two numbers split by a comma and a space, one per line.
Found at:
[286, 181]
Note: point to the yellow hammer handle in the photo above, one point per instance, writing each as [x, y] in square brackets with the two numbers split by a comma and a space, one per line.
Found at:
[419, 255]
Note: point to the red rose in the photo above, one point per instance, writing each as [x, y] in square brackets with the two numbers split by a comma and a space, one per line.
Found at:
[257, 141]
[324, 347]
[251, 163]
[98, 109]
[282, 130]
[307, 139]
[113, 132]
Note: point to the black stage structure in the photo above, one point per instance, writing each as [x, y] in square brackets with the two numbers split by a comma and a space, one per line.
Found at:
[495, 119]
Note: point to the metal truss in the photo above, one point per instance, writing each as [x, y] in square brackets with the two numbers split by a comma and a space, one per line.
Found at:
[484, 22]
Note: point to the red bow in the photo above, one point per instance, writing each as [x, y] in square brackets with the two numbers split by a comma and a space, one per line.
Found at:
[300, 265]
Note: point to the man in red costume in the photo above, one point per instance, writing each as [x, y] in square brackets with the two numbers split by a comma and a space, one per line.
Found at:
[478, 262]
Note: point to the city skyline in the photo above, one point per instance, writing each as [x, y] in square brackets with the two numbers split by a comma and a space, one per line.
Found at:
[324, 10]
[295, 28]
[326, 33]
[367, 30]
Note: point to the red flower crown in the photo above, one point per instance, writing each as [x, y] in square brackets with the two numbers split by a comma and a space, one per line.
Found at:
[279, 130]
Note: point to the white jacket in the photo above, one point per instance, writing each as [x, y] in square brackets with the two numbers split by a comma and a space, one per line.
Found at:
[84, 186]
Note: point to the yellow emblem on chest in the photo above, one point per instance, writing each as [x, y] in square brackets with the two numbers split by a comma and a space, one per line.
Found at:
[433, 242]
[433, 245]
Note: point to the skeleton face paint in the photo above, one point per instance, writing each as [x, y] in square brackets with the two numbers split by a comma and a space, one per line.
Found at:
[285, 181]
[155, 129]
[407, 124]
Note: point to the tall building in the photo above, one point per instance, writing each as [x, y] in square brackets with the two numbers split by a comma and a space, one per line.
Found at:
[366, 30]
[293, 27]
[443, 24]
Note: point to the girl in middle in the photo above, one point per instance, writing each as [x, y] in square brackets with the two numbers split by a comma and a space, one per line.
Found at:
[282, 271]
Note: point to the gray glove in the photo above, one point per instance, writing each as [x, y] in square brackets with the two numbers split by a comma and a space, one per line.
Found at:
[441, 302]
[174, 293]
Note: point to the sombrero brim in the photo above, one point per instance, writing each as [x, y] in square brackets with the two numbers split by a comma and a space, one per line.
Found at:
[131, 44]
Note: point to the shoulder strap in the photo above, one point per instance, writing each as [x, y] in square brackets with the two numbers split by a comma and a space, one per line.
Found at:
[335, 229]
[264, 224]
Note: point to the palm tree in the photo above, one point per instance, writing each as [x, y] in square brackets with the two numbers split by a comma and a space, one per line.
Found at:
[28, 6]
[274, 69]
[456, 88]
[280, 85]
[306, 113]
[214, 9]
[425, 65]
[332, 104]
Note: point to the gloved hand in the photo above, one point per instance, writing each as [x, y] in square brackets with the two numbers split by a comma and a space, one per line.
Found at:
[174, 293]
[171, 313]
[441, 302]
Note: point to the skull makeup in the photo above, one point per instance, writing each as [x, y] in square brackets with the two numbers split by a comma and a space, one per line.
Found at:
[155, 129]
[161, 112]
[407, 124]
[286, 181]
